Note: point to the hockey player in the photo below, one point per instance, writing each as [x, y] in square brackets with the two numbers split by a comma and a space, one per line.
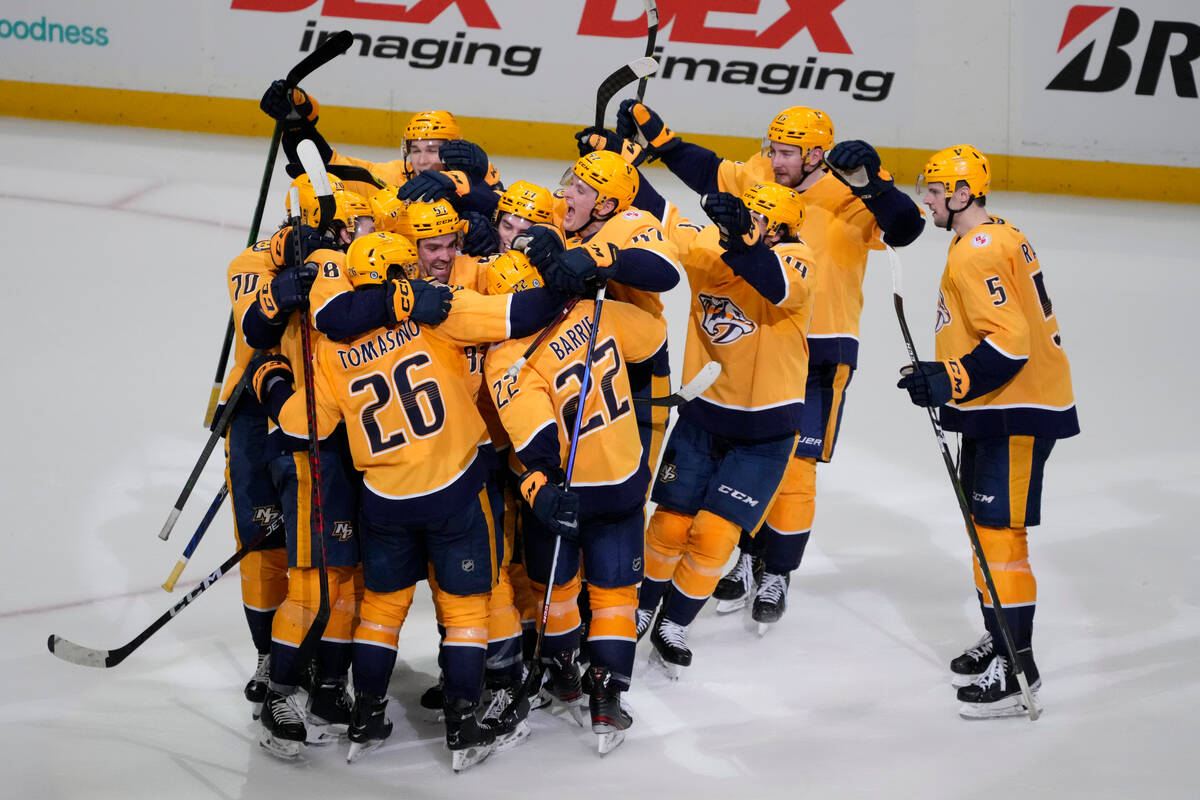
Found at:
[851, 207]
[270, 323]
[414, 432]
[601, 517]
[522, 205]
[432, 143]
[1002, 380]
[751, 303]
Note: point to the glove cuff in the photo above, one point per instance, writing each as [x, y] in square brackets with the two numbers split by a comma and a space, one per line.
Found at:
[280, 251]
[400, 300]
[266, 302]
[960, 379]
[531, 483]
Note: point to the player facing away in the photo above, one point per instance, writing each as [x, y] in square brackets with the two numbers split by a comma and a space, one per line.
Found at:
[851, 207]
[725, 459]
[1002, 380]
[601, 518]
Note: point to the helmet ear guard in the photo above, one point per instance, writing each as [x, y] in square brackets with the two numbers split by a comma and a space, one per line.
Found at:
[961, 163]
[512, 272]
[782, 207]
[374, 258]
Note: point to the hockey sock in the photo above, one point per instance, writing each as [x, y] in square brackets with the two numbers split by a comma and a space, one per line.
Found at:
[612, 636]
[1007, 554]
[782, 552]
[264, 587]
[562, 625]
[464, 650]
[504, 629]
[383, 614]
[651, 592]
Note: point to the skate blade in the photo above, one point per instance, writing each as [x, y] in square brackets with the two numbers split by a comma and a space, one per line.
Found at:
[321, 735]
[673, 671]
[359, 749]
[509, 740]
[469, 756]
[574, 708]
[762, 628]
[1008, 707]
[284, 749]
[608, 741]
[433, 716]
[255, 711]
[730, 606]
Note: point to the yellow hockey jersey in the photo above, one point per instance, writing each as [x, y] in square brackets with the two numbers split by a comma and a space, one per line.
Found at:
[538, 406]
[251, 269]
[992, 291]
[760, 345]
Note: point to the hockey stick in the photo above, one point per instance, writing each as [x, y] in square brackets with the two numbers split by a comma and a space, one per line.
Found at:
[169, 583]
[534, 678]
[328, 50]
[217, 431]
[346, 172]
[651, 37]
[618, 80]
[315, 167]
[88, 657]
[972, 533]
[705, 378]
[515, 368]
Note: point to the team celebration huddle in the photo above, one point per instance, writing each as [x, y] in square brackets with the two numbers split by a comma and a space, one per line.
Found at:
[447, 376]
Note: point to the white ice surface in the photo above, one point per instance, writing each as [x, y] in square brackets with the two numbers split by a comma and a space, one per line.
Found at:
[116, 243]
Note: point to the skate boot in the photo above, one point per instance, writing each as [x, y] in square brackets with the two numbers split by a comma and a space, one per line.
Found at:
[469, 741]
[432, 702]
[670, 646]
[734, 590]
[511, 728]
[283, 733]
[642, 618]
[563, 684]
[967, 668]
[369, 725]
[610, 719]
[329, 711]
[256, 687]
[997, 693]
[770, 601]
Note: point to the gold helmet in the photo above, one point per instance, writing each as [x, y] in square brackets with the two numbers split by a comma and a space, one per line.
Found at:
[387, 209]
[782, 207]
[528, 201]
[310, 207]
[432, 125]
[371, 258]
[959, 163]
[511, 272]
[803, 127]
[610, 175]
[426, 220]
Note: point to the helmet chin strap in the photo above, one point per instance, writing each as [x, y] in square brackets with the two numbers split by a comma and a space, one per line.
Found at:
[950, 212]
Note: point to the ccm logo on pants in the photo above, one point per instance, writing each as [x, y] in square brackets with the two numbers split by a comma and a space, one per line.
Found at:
[736, 495]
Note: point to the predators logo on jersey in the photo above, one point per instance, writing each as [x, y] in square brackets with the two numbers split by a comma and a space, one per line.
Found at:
[943, 313]
[723, 321]
[343, 531]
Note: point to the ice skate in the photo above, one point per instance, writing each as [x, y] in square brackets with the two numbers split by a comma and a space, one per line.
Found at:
[997, 693]
[329, 712]
[469, 741]
[563, 685]
[974, 661]
[670, 647]
[734, 590]
[512, 728]
[770, 600]
[642, 618]
[610, 719]
[256, 687]
[432, 703]
[284, 732]
[369, 726]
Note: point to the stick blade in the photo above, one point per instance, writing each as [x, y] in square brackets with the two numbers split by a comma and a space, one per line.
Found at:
[330, 49]
[705, 378]
[77, 654]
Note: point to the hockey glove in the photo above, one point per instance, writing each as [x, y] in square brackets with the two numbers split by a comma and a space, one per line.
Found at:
[545, 242]
[424, 302]
[592, 139]
[288, 106]
[555, 507]
[637, 122]
[856, 164]
[935, 383]
[481, 239]
[739, 231]
[466, 157]
[287, 292]
[429, 187]
[574, 270]
[264, 370]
